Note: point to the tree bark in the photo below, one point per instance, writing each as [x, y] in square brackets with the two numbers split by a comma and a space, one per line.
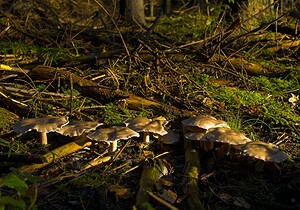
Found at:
[255, 11]
[135, 11]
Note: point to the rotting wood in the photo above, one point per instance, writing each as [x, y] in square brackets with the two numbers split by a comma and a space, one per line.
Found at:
[241, 64]
[286, 45]
[14, 106]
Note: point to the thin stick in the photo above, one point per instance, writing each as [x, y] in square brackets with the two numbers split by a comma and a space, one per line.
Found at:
[71, 94]
[162, 201]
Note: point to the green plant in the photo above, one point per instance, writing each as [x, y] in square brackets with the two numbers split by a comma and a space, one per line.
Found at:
[27, 51]
[267, 107]
[15, 193]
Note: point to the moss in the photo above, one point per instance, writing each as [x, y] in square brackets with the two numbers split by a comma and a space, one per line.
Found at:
[24, 51]
[276, 86]
[268, 108]
[186, 27]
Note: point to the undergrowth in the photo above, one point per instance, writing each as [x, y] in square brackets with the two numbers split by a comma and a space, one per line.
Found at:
[268, 100]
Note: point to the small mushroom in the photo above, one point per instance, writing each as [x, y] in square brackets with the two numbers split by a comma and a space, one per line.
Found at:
[42, 125]
[147, 126]
[227, 136]
[202, 123]
[112, 135]
[205, 144]
[77, 128]
[264, 151]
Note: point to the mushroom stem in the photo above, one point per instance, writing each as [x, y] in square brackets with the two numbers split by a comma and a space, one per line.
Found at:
[146, 137]
[223, 150]
[43, 138]
[207, 145]
[113, 146]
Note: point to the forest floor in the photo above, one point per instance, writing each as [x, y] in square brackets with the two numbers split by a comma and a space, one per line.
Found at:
[179, 66]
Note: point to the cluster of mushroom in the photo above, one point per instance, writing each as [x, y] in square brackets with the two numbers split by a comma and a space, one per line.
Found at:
[203, 128]
[45, 125]
[110, 135]
[208, 130]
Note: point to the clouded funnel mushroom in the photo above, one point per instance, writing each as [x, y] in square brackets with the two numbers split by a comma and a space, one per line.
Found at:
[147, 126]
[227, 136]
[112, 135]
[77, 128]
[195, 126]
[202, 123]
[263, 151]
[42, 125]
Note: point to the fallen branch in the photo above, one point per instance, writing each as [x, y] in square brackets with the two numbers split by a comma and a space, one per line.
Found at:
[103, 93]
[241, 64]
[58, 153]
[97, 161]
[286, 45]
[13, 105]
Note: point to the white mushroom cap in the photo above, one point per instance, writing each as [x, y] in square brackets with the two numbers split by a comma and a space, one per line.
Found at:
[43, 124]
[137, 123]
[77, 128]
[156, 127]
[195, 136]
[145, 125]
[264, 151]
[112, 135]
[226, 135]
[204, 122]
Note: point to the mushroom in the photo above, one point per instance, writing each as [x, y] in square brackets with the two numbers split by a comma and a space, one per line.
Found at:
[112, 135]
[77, 128]
[170, 138]
[227, 136]
[205, 144]
[42, 125]
[147, 126]
[202, 123]
[264, 151]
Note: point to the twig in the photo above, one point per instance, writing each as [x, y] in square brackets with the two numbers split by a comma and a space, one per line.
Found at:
[58, 153]
[162, 201]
